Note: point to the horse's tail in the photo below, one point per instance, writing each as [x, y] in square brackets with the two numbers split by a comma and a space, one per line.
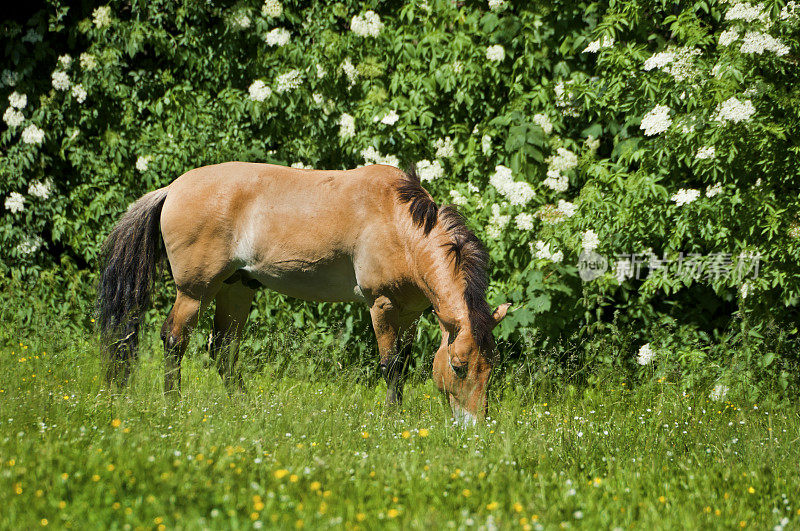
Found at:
[130, 258]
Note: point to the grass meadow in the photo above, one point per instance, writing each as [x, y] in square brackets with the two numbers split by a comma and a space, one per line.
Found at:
[316, 449]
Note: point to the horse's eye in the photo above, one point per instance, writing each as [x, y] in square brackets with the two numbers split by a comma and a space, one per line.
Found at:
[460, 370]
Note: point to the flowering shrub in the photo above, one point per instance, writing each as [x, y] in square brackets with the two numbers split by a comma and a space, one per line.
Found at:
[638, 131]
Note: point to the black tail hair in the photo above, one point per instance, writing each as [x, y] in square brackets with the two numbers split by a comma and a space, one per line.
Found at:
[130, 256]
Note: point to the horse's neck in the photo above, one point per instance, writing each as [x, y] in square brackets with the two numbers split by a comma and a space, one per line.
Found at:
[440, 282]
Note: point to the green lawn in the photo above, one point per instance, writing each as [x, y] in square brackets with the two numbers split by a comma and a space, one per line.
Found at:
[304, 450]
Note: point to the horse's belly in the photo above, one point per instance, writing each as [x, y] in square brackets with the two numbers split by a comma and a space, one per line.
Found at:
[333, 281]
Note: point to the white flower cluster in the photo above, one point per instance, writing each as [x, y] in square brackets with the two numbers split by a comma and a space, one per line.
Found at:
[272, 9]
[65, 60]
[301, 166]
[497, 222]
[444, 148]
[142, 162]
[259, 91]
[30, 245]
[373, 156]
[32, 135]
[88, 61]
[517, 192]
[524, 221]
[390, 118]
[747, 12]
[646, 355]
[592, 143]
[734, 110]
[347, 126]
[656, 121]
[684, 196]
[288, 81]
[713, 190]
[602, 42]
[542, 252]
[757, 42]
[497, 5]
[321, 72]
[486, 143]
[9, 78]
[15, 202]
[563, 161]
[241, 20]
[17, 100]
[32, 36]
[566, 208]
[706, 152]
[79, 93]
[794, 231]
[278, 37]
[495, 53]
[727, 37]
[367, 25]
[60, 80]
[350, 71]
[544, 122]
[458, 198]
[40, 189]
[13, 118]
[679, 63]
[429, 171]
[590, 241]
[789, 11]
[719, 392]
[102, 16]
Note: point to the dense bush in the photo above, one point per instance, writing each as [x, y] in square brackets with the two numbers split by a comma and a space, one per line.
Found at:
[661, 136]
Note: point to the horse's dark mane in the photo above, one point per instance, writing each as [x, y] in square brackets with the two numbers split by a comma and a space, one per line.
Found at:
[467, 251]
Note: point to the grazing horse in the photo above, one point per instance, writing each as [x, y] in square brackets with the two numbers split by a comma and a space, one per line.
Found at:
[371, 234]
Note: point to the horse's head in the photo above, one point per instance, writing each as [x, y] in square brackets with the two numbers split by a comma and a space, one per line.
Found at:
[461, 368]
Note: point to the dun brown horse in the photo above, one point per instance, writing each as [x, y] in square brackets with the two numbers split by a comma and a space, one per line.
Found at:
[372, 235]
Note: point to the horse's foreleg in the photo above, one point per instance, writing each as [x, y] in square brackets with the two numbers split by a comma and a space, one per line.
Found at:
[175, 333]
[386, 323]
[230, 316]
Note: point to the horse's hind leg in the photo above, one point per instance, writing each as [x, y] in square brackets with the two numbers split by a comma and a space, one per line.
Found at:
[176, 333]
[233, 306]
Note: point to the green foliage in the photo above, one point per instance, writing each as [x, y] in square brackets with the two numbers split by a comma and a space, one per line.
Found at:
[170, 86]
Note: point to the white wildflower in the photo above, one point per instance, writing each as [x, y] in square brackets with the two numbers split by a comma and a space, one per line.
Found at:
[564, 160]
[542, 252]
[17, 100]
[30, 245]
[728, 36]
[602, 42]
[88, 61]
[13, 117]
[40, 189]
[278, 37]
[713, 190]
[10, 78]
[757, 42]
[656, 121]
[458, 198]
[60, 80]
[142, 162]
[32, 135]
[79, 93]
[321, 72]
[719, 392]
[734, 110]
[684, 196]
[566, 208]
[317, 97]
[679, 63]
[259, 91]
[367, 25]
[390, 118]
[486, 143]
[373, 156]
[301, 166]
[241, 20]
[497, 5]
[789, 11]
[794, 231]
[65, 61]
[347, 126]
[429, 171]
[556, 182]
[744, 290]
[590, 240]
[495, 53]
[350, 71]
[524, 221]
[15, 202]
[592, 143]
[102, 16]
[706, 152]
[288, 81]
[457, 67]
[517, 192]
[747, 12]
[497, 222]
[544, 122]
[646, 355]
[659, 60]
[272, 9]
[444, 148]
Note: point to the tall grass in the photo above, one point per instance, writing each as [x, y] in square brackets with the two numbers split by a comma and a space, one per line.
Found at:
[312, 444]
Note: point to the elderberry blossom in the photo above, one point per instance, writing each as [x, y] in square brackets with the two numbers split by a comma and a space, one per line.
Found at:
[656, 121]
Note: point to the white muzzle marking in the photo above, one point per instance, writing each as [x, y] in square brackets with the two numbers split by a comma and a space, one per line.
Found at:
[463, 417]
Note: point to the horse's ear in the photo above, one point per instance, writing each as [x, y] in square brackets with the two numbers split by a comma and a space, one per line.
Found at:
[500, 313]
